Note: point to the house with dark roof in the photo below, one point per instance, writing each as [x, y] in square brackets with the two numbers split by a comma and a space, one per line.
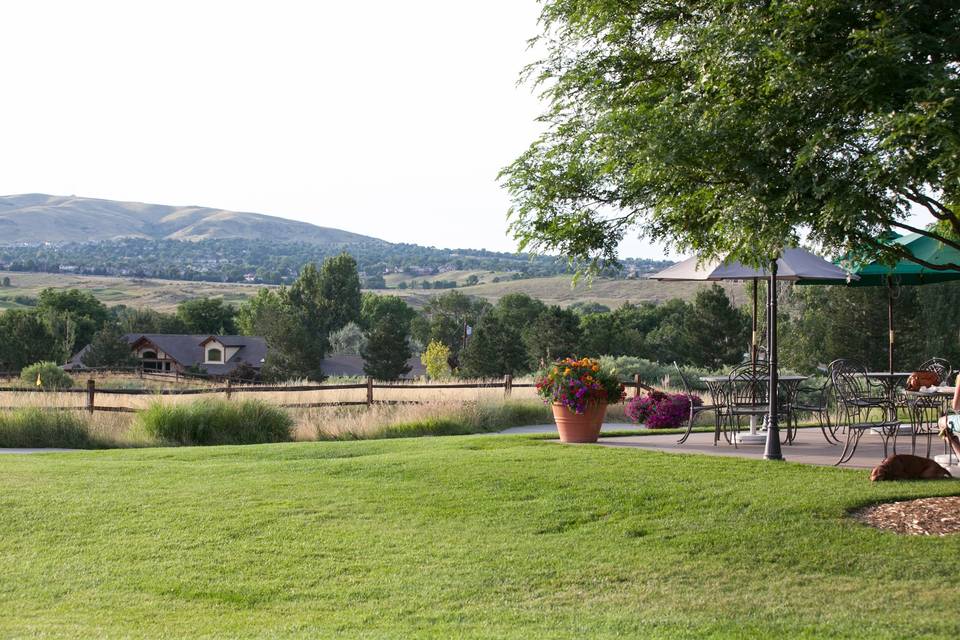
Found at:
[217, 355]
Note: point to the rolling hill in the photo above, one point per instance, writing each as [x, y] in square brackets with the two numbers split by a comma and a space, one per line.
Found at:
[38, 218]
[164, 295]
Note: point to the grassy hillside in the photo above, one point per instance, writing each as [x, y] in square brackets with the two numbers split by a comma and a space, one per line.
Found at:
[164, 295]
[35, 218]
[466, 537]
[613, 293]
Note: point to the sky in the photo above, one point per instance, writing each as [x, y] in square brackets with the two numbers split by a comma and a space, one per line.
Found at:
[385, 118]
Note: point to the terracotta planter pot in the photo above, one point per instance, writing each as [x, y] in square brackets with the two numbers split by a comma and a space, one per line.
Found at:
[579, 427]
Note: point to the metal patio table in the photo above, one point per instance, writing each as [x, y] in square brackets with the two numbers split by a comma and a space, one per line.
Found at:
[890, 381]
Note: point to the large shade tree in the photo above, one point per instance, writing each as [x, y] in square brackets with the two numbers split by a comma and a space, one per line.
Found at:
[723, 126]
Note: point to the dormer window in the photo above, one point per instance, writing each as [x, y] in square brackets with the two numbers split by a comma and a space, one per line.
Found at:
[214, 355]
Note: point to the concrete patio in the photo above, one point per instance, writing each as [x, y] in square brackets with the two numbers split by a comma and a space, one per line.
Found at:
[809, 447]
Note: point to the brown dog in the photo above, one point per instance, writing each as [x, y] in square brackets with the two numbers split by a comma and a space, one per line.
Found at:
[907, 467]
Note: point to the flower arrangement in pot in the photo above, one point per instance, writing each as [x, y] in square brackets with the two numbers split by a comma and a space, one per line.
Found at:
[579, 391]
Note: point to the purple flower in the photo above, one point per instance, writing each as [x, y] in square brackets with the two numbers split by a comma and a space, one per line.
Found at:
[661, 410]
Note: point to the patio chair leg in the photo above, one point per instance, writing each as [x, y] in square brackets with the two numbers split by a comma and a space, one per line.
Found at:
[689, 429]
[825, 428]
[831, 429]
[853, 435]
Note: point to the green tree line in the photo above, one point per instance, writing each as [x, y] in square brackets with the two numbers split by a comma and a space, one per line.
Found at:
[324, 311]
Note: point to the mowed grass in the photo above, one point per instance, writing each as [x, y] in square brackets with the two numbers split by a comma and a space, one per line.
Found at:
[480, 536]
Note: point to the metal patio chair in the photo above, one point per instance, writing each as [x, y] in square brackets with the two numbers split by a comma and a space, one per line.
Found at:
[747, 396]
[697, 410]
[863, 406]
[926, 412]
[816, 401]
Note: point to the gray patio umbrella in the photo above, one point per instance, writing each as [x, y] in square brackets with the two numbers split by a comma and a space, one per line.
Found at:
[794, 264]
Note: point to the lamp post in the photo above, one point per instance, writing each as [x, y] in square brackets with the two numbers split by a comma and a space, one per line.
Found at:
[772, 449]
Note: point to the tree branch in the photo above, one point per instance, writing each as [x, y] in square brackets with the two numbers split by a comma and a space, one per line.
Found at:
[930, 234]
[906, 255]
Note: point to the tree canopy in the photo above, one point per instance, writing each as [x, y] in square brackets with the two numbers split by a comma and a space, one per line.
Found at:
[724, 127]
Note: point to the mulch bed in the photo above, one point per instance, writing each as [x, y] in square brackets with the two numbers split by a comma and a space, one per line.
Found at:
[923, 517]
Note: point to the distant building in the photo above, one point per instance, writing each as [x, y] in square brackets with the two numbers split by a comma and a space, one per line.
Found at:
[351, 366]
[217, 355]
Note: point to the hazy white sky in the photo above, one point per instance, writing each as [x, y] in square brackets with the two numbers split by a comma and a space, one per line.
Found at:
[381, 117]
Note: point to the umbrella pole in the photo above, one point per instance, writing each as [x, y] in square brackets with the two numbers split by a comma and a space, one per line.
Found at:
[772, 449]
[890, 323]
[753, 335]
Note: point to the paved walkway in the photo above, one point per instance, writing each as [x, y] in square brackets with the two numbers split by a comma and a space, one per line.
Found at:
[552, 428]
[809, 447]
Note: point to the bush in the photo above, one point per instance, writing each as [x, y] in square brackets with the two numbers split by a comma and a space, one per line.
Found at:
[653, 373]
[28, 428]
[658, 410]
[214, 422]
[46, 375]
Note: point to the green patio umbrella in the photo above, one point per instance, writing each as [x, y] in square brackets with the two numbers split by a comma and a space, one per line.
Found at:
[905, 272]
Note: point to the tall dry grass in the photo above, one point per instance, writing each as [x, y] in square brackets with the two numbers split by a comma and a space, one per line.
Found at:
[436, 412]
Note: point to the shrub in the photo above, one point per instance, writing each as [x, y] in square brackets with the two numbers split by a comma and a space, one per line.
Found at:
[436, 360]
[28, 428]
[213, 422]
[46, 375]
[658, 410]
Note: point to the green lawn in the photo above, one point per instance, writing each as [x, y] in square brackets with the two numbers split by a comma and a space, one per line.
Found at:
[479, 536]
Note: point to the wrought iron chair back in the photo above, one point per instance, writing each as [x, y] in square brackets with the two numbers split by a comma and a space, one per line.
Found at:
[851, 382]
[861, 407]
[683, 379]
[748, 386]
[940, 367]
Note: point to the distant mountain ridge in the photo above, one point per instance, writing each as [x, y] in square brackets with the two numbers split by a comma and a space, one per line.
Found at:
[37, 218]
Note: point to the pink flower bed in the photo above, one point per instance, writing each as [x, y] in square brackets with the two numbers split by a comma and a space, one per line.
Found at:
[660, 410]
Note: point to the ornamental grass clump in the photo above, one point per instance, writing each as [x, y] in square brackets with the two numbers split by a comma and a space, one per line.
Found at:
[659, 410]
[575, 384]
[214, 422]
[38, 428]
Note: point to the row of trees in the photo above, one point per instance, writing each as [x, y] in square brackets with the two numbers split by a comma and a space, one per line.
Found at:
[324, 311]
[232, 260]
[65, 320]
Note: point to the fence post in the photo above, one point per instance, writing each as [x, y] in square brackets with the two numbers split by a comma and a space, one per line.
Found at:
[636, 381]
[91, 394]
[229, 389]
[507, 385]
[369, 391]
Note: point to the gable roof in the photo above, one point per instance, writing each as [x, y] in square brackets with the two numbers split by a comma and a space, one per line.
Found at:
[187, 350]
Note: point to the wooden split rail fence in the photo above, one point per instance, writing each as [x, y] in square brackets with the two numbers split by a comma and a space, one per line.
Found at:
[228, 390]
